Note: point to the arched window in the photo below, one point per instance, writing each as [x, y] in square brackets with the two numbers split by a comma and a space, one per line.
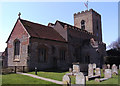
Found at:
[83, 24]
[16, 47]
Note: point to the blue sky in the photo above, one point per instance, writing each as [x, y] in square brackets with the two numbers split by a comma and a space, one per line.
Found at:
[45, 12]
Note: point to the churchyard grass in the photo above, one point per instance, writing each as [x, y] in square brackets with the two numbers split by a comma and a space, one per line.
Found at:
[58, 76]
[52, 75]
[22, 79]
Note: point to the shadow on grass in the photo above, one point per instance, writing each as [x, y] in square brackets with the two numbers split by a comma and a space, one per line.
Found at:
[52, 70]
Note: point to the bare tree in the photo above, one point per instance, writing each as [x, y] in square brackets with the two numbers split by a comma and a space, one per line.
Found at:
[115, 45]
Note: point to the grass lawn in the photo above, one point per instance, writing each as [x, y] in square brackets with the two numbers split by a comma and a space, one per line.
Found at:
[51, 75]
[26, 80]
[22, 79]
[58, 76]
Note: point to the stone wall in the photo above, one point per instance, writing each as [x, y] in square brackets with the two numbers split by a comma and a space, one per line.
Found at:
[20, 34]
[53, 59]
[92, 22]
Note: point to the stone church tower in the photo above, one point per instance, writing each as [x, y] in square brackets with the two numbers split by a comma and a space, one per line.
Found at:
[90, 21]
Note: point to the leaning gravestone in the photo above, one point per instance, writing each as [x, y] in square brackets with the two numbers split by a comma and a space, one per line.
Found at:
[94, 65]
[108, 73]
[90, 70]
[114, 69]
[66, 80]
[76, 68]
[80, 79]
[98, 71]
[108, 66]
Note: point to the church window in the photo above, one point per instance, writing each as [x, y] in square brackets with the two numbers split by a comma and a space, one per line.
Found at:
[16, 47]
[83, 24]
[53, 49]
[62, 54]
[16, 50]
[87, 59]
[97, 25]
[42, 57]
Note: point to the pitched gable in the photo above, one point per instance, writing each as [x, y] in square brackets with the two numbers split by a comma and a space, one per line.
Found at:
[18, 31]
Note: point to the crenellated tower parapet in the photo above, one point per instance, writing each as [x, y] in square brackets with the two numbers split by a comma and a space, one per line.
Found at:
[90, 21]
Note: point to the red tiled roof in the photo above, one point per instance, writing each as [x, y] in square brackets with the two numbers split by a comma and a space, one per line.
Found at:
[41, 31]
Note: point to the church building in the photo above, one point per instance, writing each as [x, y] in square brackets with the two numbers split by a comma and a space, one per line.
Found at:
[58, 45]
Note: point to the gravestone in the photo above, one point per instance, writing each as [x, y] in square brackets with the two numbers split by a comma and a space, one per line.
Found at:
[114, 69]
[90, 66]
[80, 79]
[94, 65]
[119, 67]
[108, 73]
[76, 67]
[98, 71]
[108, 66]
[70, 70]
[104, 67]
[90, 70]
[66, 80]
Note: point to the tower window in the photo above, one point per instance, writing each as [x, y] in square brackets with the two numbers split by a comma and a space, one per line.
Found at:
[83, 24]
[97, 25]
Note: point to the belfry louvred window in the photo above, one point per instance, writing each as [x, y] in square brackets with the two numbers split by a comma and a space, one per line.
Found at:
[83, 24]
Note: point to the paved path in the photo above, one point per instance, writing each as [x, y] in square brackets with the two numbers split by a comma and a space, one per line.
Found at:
[42, 78]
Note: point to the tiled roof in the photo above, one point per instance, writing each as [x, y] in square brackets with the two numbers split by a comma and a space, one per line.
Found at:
[74, 30]
[41, 31]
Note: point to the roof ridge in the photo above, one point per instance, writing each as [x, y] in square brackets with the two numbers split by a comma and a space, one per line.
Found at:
[76, 28]
[35, 23]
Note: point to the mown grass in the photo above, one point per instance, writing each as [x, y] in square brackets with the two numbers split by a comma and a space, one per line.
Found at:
[26, 80]
[22, 79]
[51, 75]
[58, 76]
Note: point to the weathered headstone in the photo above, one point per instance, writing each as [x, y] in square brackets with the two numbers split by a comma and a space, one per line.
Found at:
[76, 68]
[119, 67]
[108, 66]
[104, 67]
[80, 79]
[108, 73]
[94, 65]
[90, 70]
[70, 70]
[66, 80]
[90, 66]
[98, 71]
[114, 69]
